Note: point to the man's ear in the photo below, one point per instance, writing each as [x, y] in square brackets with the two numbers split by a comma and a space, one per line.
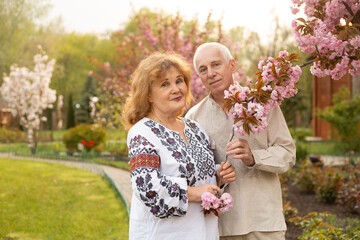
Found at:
[233, 65]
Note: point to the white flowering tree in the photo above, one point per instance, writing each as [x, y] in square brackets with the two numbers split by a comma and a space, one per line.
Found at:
[28, 94]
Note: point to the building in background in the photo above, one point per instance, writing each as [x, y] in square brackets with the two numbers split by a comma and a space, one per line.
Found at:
[323, 90]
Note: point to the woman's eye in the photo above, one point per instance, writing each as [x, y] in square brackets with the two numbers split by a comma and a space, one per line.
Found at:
[164, 84]
[179, 80]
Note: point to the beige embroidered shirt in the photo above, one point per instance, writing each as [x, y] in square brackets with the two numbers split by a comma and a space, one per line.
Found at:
[256, 191]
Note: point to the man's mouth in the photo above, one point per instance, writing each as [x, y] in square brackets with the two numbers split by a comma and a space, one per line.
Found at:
[215, 81]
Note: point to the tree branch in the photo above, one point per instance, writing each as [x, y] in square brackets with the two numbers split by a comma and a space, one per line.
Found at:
[307, 63]
[348, 8]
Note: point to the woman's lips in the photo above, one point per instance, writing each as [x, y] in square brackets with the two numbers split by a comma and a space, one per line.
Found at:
[177, 98]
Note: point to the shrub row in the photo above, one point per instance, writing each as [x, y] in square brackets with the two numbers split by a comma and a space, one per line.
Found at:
[10, 136]
[327, 226]
[331, 184]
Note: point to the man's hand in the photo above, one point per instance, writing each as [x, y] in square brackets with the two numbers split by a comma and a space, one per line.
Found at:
[226, 173]
[239, 149]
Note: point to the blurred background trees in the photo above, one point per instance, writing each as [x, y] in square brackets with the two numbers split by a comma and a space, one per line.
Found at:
[112, 59]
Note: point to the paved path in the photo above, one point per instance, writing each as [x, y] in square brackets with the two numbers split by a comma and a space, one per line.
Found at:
[119, 177]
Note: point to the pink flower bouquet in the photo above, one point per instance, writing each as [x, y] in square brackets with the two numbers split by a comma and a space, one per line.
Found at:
[217, 205]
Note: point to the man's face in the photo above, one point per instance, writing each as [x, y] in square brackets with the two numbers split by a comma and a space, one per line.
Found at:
[214, 71]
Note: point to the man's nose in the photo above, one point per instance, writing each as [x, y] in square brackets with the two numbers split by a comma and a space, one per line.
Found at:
[211, 72]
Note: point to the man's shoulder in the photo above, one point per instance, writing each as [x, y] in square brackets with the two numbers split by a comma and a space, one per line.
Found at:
[196, 109]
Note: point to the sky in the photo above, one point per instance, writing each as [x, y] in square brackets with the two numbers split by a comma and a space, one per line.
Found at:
[99, 16]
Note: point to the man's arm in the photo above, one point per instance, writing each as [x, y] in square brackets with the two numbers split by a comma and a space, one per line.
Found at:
[280, 153]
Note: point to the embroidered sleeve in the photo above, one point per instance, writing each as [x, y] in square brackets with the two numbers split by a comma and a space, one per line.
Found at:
[164, 195]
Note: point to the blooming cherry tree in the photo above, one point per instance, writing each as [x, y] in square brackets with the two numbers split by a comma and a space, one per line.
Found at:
[164, 33]
[28, 94]
[331, 34]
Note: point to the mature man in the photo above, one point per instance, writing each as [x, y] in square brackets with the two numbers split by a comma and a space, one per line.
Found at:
[258, 158]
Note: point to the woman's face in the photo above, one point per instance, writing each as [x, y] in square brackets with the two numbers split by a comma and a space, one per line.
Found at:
[168, 95]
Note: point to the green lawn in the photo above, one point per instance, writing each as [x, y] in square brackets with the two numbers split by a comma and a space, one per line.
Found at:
[52, 201]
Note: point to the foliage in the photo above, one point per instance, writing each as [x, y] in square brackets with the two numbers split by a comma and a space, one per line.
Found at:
[10, 136]
[340, 184]
[148, 32]
[89, 91]
[349, 193]
[70, 122]
[88, 135]
[19, 31]
[328, 184]
[327, 226]
[301, 151]
[344, 115]
[54, 150]
[331, 35]
[28, 94]
[55, 201]
[289, 210]
[306, 178]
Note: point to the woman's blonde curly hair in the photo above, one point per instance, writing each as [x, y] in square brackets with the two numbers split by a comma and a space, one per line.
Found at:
[149, 70]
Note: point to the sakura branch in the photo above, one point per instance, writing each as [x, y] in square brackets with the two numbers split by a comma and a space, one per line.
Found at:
[330, 34]
[248, 106]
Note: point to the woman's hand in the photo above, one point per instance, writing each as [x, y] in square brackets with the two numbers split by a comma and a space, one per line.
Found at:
[194, 193]
[226, 173]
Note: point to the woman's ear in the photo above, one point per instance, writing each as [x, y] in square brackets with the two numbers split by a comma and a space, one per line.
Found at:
[150, 98]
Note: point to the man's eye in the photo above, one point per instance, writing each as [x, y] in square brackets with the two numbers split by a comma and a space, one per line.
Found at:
[216, 65]
[202, 70]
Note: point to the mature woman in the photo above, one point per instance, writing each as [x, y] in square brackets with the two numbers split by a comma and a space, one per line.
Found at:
[170, 157]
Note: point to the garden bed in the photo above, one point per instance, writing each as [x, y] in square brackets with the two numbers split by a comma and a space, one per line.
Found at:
[306, 203]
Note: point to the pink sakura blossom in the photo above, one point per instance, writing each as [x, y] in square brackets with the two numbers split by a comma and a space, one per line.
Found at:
[325, 37]
[250, 113]
[213, 204]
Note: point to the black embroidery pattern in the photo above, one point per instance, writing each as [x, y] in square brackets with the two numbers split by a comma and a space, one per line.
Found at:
[195, 160]
[144, 183]
[196, 154]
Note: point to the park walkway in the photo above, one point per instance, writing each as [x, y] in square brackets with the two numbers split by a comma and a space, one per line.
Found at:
[118, 177]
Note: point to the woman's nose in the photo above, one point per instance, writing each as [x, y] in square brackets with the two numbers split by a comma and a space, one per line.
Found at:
[175, 88]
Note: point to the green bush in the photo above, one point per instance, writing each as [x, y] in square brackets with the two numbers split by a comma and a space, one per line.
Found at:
[10, 136]
[327, 226]
[349, 193]
[306, 178]
[299, 134]
[344, 115]
[89, 136]
[301, 151]
[328, 184]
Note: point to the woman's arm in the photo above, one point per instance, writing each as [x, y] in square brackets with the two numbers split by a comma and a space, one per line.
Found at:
[163, 195]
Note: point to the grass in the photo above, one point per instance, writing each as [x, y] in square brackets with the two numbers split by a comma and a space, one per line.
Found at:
[40, 200]
[52, 150]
